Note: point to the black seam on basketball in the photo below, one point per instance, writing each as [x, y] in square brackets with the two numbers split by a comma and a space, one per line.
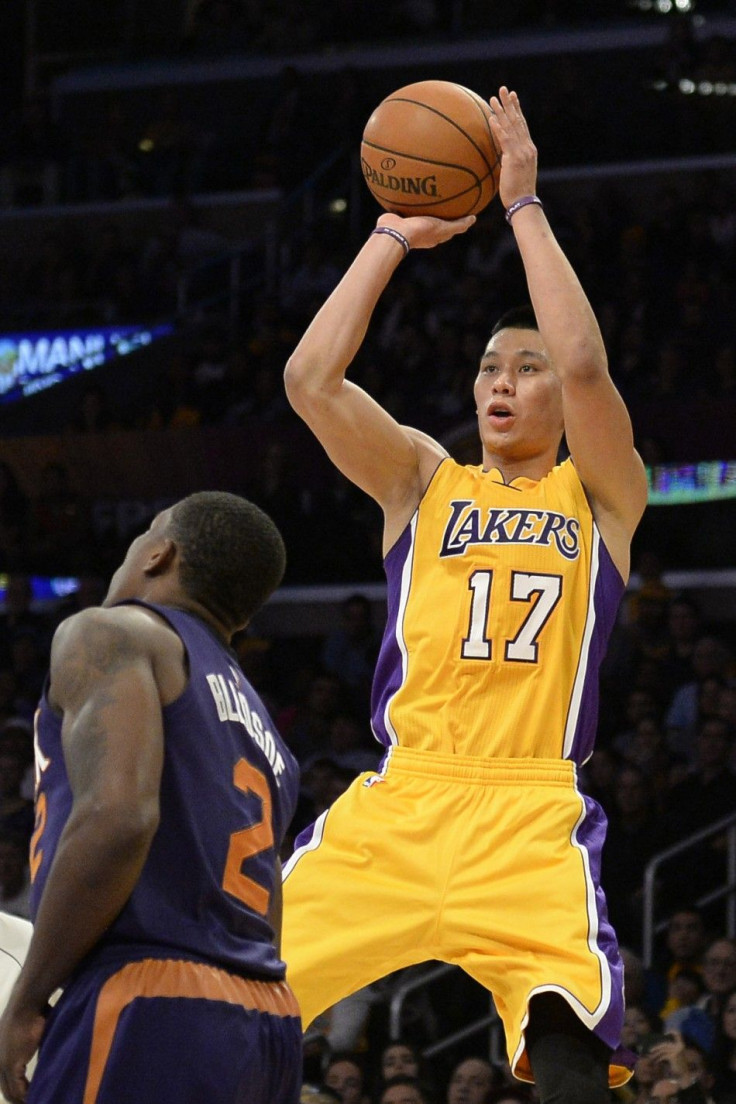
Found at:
[475, 100]
[447, 118]
[428, 160]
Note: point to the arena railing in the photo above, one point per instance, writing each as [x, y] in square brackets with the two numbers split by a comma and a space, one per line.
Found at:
[423, 980]
[725, 891]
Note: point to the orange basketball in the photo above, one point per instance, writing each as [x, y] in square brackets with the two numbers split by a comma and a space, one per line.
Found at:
[427, 149]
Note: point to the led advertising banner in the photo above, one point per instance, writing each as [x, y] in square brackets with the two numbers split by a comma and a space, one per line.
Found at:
[706, 481]
[31, 362]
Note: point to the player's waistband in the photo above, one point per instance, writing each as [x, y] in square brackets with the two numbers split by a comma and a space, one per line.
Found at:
[471, 769]
[182, 978]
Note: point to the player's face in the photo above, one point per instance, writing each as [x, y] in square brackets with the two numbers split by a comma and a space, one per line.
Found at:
[518, 397]
[126, 582]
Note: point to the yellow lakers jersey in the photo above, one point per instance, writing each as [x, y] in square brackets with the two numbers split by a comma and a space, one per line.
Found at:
[501, 598]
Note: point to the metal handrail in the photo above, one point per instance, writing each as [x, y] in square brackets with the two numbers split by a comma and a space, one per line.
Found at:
[492, 1020]
[726, 825]
[402, 992]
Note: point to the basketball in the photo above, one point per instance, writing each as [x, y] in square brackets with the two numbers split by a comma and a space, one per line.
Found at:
[428, 149]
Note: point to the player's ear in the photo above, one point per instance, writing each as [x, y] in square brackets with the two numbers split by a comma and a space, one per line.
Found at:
[161, 557]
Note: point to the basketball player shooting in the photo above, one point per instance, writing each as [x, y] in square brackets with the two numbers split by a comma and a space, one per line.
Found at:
[473, 844]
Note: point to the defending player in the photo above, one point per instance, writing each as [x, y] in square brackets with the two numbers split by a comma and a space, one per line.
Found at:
[163, 794]
[473, 845]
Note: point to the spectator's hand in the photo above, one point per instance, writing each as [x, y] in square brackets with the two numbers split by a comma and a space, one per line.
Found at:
[672, 1052]
[518, 152]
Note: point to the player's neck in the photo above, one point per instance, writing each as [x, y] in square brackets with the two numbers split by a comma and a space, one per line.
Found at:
[535, 467]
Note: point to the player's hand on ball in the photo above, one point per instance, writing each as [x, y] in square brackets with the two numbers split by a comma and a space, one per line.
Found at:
[424, 231]
[518, 152]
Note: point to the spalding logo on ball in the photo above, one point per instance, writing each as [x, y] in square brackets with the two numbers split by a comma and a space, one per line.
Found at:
[428, 149]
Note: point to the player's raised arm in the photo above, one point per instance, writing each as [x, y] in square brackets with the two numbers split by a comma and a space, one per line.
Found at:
[102, 679]
[360, 437]
[597, 424]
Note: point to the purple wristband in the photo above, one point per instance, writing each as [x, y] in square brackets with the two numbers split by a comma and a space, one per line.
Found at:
[395, 234]
[523, 202]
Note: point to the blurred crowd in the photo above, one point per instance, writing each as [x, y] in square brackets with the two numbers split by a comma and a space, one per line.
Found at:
[660, 273]
[274, 128]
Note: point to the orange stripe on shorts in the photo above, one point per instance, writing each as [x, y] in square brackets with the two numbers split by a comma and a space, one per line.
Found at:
[153, 977]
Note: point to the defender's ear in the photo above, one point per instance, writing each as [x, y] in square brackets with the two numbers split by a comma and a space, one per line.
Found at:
[161, 558]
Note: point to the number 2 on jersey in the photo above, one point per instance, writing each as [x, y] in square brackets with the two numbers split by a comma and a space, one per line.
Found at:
[247, 842]
[524, 648]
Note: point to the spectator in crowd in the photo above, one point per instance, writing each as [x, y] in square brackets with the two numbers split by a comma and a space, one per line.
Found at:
[639, 704]
[700, 799]
[399, 1057]
[319, 1094]
[711, 659]
[598, 776]
[719, 974]
[685, 943]
[471, 1080]
[351, 745]
[724, 1051]
[306, 725]
[403, 1089]
[16, 810]
[632, 839]
[344, 1074]
[699, 1065]
[663, 1073]
[638, 1024]
[16, 736]
[698, 1020]
[646, 748]
[15, 878]
[510, 1094]
[684, 629]
[350, 651]
[635, 977]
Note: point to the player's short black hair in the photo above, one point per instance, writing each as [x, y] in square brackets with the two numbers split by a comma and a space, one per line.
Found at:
[232, 555]
[518, 318]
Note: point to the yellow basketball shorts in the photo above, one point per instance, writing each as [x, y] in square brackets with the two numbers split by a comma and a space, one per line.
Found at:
[492, 865]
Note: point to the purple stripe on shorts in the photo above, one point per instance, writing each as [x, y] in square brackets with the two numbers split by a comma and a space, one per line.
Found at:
[389, 671]
[590, 835]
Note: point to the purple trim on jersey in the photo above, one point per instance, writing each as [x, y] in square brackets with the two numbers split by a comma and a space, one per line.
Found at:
[389, 673]
[590, 835]
[609, 589]
[306, 836]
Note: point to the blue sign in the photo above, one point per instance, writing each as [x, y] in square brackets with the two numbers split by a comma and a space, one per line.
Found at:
[32, 362]
[705, 481]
